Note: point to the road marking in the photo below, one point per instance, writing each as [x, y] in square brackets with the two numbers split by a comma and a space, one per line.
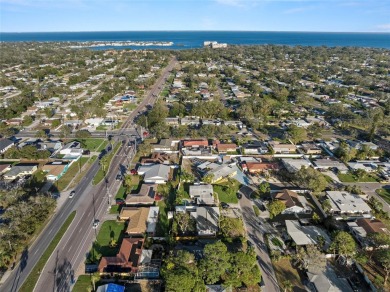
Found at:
[36, 251]
[50, 231]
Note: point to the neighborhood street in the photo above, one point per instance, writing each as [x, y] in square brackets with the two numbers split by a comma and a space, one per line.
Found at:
[256, 229]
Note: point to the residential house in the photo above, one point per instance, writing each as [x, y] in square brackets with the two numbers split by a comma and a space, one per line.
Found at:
[145, 196]
[368, 166]
[346, 204]
[156, 158]
[51, 146]
[195, 143]
[21, 169]
[157, 174]
[293, 165]
[202, 194]
[94, 122]
[196, 147]
[151, 221]
[72, 149]
[358, 145]
[4, 168]
[363, 227]
[259, 167]
[328, 163]
[207, 219]
[295, 203]
[172, 121]
[326, 280]
[306, 234]
[14, 122]
[166, 145]
[5, 144]
[311, 148]
[55, 169]
[137, 218]
[73, 123]
[254, 147]
[126, 261]
[225, 148]
[282, 148]
[237, 124]
[223, 171]
[190, 121]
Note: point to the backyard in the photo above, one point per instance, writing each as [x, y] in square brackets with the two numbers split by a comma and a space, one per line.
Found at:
[163, 222]
[284, 270]
[108, 241]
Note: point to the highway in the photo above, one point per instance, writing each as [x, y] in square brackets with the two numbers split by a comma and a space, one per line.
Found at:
[90, 202]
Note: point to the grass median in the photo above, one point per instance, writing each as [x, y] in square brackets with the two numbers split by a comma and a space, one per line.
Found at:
[100, 174]
[33, 277]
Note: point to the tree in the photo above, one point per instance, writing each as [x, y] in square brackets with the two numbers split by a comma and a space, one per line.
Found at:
[264, 188]
[41, 134]
[383, 257]
[27, 120]
[360, 173]
[297, 134]
[94, 278]
[83, 134]
[309, 257]
[287, 286]
[65, 131]
[208, 178]
[343, 244]
[275, 208]
[311, 178]
[185, 222]
[243, 269]
[127, 182]
[215, 262]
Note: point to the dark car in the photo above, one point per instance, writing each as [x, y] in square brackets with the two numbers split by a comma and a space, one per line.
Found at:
[224, 205]
[118, 176]
[119, 201]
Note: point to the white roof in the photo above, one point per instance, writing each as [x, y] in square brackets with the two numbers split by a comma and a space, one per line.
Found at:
[295, 164]
[203, 193]
[303, 235]
[152, 219]
[345, 202]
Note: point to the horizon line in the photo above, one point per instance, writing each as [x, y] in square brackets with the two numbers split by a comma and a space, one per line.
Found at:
[300, 31]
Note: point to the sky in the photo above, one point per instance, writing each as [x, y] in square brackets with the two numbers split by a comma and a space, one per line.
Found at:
[151, 15]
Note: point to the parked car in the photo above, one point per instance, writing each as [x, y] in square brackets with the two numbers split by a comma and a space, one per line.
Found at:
[95, 224]
[119, 201]
[133, 171]
[71, 195]
[118, 176]
[224, 205]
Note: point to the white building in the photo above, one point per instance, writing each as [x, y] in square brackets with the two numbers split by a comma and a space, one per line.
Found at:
[347, 204]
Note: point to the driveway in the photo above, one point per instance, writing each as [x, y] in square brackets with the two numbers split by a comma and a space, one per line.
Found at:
[256, 228]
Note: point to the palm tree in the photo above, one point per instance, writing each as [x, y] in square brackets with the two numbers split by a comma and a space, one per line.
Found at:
[287, 286]
[94, 278]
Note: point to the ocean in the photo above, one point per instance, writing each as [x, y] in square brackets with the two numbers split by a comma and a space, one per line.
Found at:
[195, 39]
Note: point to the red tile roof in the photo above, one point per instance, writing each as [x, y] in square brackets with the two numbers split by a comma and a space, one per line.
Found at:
[372, 225]
[188, 143]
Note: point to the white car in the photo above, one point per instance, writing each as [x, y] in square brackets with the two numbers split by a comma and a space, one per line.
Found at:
[95, 224]
[71, 195]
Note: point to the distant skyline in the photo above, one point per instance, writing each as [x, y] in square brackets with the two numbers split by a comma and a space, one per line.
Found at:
[200, 15]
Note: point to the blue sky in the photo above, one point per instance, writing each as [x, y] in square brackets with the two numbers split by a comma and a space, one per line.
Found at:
[255, 15]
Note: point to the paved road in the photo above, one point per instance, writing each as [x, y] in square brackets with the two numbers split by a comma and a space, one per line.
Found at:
[34, 253]
[256, 228]
[60, 270]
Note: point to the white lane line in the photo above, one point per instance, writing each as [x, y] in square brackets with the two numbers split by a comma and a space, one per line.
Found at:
[50, 231]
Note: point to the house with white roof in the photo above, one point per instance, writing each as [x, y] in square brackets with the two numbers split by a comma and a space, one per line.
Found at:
[151, 221]
[346, 204]
[207, 219]
[202, 194]
[306, 234]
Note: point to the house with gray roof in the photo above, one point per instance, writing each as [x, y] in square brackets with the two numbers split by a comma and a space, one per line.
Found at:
[207, 219]
[19, 170]
[157, 174]
[202, 194]
[5, 144]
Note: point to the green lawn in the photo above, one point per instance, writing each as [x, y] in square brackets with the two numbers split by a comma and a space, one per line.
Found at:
[226, 192]
[100, 174]
[73, 170]
[110, 229]
[385, 194]
[162, 228]
[349, 177]
[92, 144]
[284, 270]
[32, 279]
[83, 284]
[121, 194]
